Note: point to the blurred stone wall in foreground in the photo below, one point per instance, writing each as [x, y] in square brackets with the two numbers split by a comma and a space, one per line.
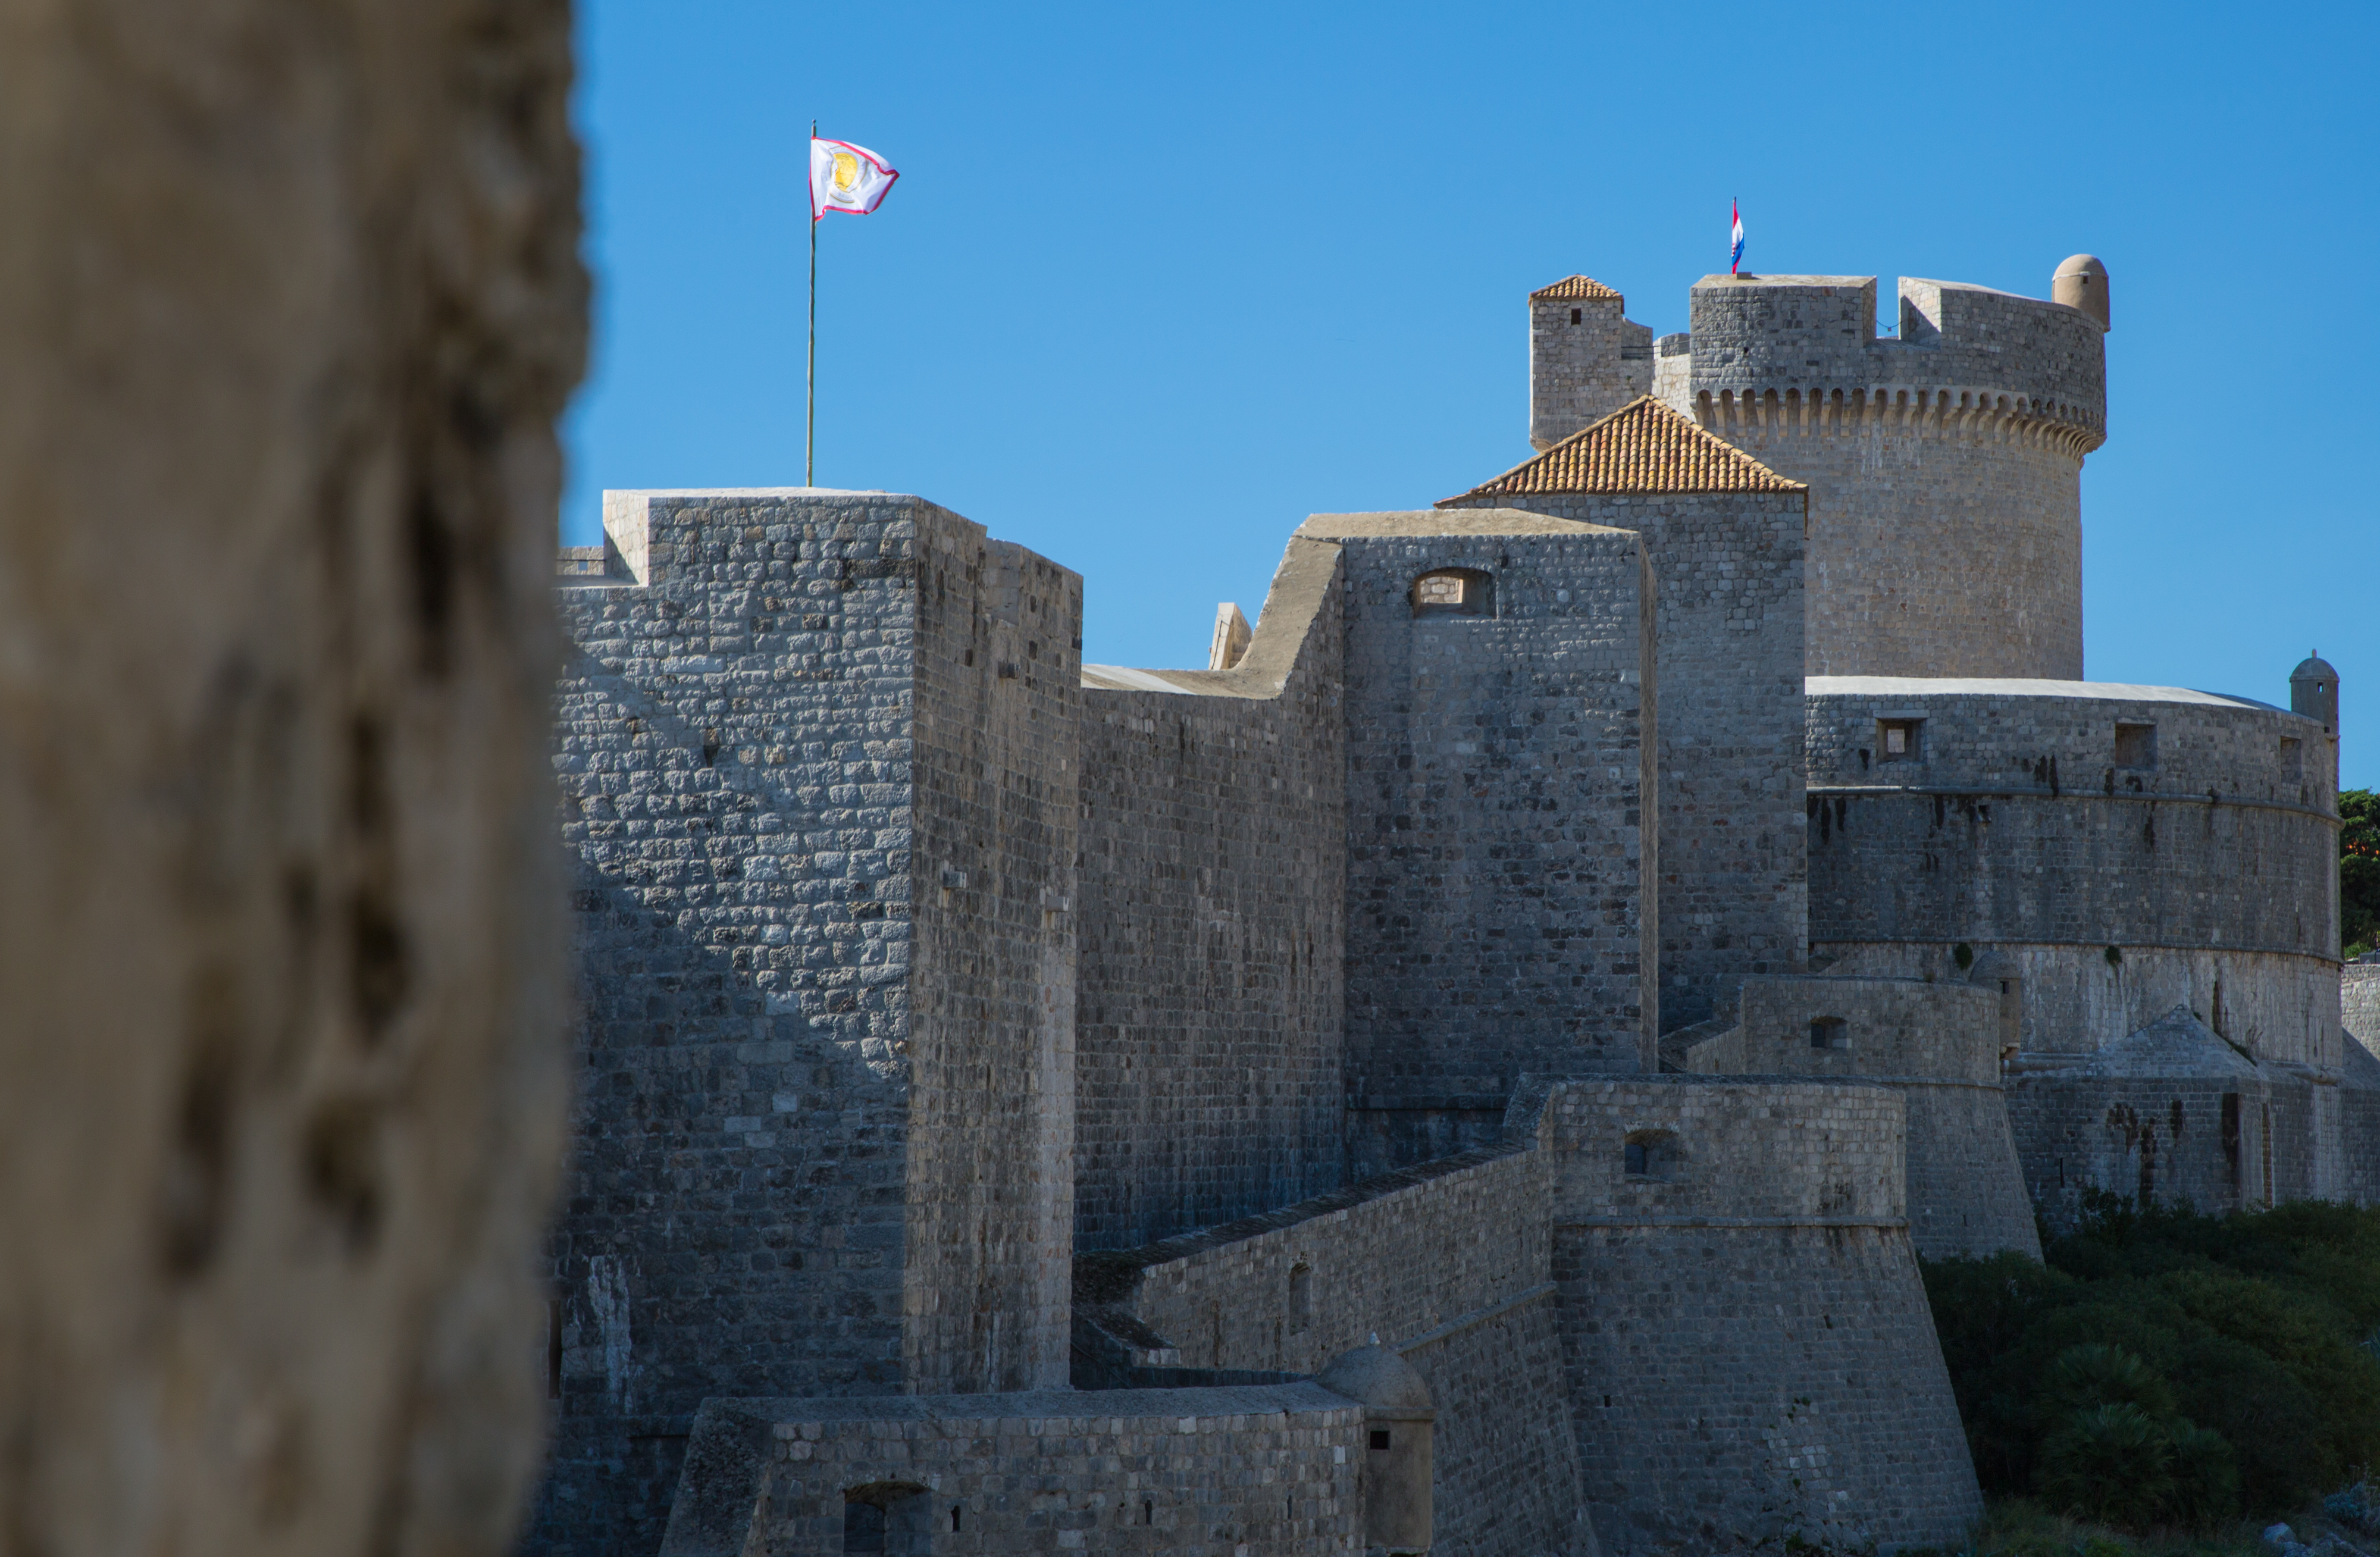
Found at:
[289, 300]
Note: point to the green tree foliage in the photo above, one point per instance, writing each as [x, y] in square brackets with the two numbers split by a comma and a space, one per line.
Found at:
[2358, 871]
[2170, 1369]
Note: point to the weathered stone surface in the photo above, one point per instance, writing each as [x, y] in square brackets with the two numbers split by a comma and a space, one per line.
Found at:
[1728, 625]
[1968, 430]
[1162, 1472]
[289, 301]
[1209, 1014]
[1751, 1355]
[1500, 854]
[2191, 866]
[817, 760]
[2173, 1115]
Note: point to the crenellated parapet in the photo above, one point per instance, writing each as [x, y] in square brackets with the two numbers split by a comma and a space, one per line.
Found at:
[1800, 353]
[1959, 440]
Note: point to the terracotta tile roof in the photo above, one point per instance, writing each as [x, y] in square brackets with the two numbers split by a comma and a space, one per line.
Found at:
[1576, 287]
[1642, 447]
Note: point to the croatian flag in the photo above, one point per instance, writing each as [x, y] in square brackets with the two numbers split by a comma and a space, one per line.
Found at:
[1735, 254]
[846, 177]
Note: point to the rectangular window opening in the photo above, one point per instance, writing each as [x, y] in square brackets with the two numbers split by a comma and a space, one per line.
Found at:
[1829, 1033]
[2135, 744]
[1380, 1438]
[1901, 740]
[2292, 759]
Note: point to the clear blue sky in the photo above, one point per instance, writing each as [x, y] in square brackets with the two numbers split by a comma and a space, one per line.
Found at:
[1158, 282]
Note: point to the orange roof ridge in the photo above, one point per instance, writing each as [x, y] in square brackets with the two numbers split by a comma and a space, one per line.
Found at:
[1576, 287]
[1642, 447]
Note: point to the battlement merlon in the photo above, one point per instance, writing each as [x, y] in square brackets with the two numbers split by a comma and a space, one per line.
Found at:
[673, 535]
[1815, 335]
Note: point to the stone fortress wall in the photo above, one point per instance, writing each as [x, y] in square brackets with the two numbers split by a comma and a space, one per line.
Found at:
[1751, 1357]
[1159, 1473]
[1212, 932]
[1969, 429]
[2174, 1113]
[1448, 1264]
[824, 844]
[1734, 894]
[1936, 1043]
[917, 954]
[2358, 1000]
[2129, 848]
[2359, 1082]
[1498, 920]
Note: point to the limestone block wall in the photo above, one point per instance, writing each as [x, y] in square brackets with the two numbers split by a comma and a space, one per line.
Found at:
[1585, 359]
[2359, 1099]
[1936, 1043]
[1400, 1256]
[2171, 1114]
[2018, 826]
[1166, 1473]
[1734, 888]
[1448, 1262]
[818, 772]
[1209, 1014]
[1968, 430]
[1500, 918]
[289, 302]
[2358, 1000]
[1750, 1353]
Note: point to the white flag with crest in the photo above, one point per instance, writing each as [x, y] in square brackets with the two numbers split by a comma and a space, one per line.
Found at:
[846, 177]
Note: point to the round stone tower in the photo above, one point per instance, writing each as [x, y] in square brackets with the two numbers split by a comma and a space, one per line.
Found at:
[1944, 465]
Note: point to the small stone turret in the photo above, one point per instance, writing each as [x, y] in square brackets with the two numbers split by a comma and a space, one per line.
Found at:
[2314, 691]
[1398, 1413]
[2081, 283]
[1585, 359]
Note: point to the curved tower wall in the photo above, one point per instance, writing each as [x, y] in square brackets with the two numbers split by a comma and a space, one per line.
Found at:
[1944, 465]
[2193, 835]
[1750, 1350]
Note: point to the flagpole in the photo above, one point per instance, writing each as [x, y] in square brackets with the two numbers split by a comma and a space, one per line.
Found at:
[809, 433]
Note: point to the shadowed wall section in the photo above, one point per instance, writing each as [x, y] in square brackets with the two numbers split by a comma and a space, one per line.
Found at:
[1209, 1014]
[818, 766]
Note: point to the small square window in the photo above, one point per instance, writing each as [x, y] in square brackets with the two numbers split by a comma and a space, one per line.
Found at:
[1829, 1033]
[1901, 740]
[1453, 591]
[1380, 1439]
[2135, 746]
[1649, 1154]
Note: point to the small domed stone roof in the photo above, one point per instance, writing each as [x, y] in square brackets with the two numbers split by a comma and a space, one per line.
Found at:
[2081, 283]
[1379, 1380]
[2314, 667]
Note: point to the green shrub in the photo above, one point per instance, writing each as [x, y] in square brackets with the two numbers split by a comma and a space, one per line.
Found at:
[2113, 1463]
[2242, 1342]
[2205, 1479]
